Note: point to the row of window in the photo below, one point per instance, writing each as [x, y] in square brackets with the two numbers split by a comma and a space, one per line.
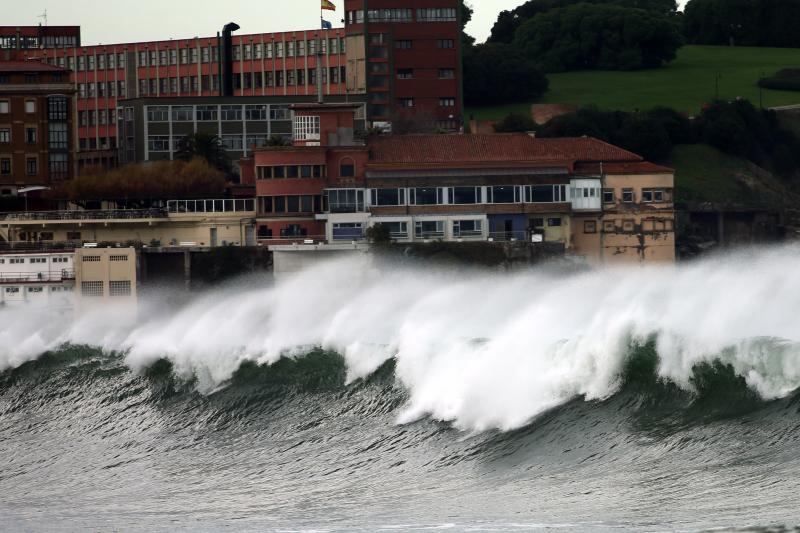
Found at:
[235, 142]
[34, 42]
[101, 89]
[5, 106]
[88, 62]
[30, 135]
[39, 290]
[31, 166]
[298, 171]
[628, 195]
[426, 14]
[423, 229]
[629, 226]
[34, 260]
[214, 113]
[95, 289]
[408, 73]
[292, 204]
[500, 194]
[408, 44]
[446, 101]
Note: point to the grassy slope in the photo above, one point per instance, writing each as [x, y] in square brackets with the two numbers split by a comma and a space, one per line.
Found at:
[703, 173]
[685, 84]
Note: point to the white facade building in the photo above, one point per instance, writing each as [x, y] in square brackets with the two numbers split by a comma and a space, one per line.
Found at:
[46, 278]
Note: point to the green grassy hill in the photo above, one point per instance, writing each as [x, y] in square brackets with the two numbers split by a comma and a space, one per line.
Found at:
[685, 84]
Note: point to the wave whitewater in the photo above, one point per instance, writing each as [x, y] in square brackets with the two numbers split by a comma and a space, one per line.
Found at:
[476, 350]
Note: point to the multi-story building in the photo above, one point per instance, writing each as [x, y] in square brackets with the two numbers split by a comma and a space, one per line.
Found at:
[37, 277]
[196, 223]
[151, 129]
[595, 199]
[402, 56]
[407, 58]
[36, 112]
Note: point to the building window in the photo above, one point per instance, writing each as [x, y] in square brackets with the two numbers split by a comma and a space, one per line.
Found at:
[119, 288]
[627, 195]
[405, 73]
[347, 170]
[158, 143]
[426, 196]
[397, 230]
[404, 44]
[436, 14]
[31, 166]
[345, 200]
[158, 113]
[387, 197]
[182, 113]
[467, 228]
[465, 195]
[207, 113]
[653, 195]
[233, 142]
[92, 289]
[429, 229]
[12, 290]
[554, 222]
[390, 15]
[4, 107]
[30, 106]
[405, 102]
[445, 44]
[589, 226]
[447, 102]
[608, 196]
[609, 226]
[5, 135]
[504, 194]
[307, 128]
[628, 225]
[231, 113]
[447, 73]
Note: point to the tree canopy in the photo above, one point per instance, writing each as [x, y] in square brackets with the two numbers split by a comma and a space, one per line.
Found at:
[508, 21]
[163, 180]
[743, 22]
[594, 36]
[500, 74]
[207, 146]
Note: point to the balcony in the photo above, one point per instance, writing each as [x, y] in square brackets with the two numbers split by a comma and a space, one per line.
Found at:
[67, 216]
[241, 205]
[37, 277]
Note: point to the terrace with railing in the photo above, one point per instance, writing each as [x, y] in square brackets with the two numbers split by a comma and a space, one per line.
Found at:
[228, 205]
[55, 276]
[71, 215]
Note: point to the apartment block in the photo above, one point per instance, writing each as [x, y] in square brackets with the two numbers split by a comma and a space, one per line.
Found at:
[36, 124]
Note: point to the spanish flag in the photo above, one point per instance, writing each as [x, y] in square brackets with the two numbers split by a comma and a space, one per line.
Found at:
[327, 4]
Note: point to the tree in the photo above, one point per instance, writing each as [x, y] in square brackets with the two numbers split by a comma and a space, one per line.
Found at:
[466, 16]
[509, 21]
[743, 22]
[277, 140]
[141, 184]
[598, 36]
[500, 74]
[205, 145]
[515, 122]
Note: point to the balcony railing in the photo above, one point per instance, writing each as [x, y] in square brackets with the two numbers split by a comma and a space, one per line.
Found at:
[100, 214]
[228, 205]
[37, 277]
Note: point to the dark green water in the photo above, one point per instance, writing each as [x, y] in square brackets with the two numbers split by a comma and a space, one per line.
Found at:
[86, 444]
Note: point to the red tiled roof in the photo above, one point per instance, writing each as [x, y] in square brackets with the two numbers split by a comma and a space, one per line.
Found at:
[638, 167]
[432, 149]
[491, 148]
[590, 149]
[29, 66]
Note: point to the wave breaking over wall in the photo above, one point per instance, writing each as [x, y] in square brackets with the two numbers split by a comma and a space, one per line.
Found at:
[481, 351]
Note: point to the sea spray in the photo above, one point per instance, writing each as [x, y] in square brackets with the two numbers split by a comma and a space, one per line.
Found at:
[479, 350]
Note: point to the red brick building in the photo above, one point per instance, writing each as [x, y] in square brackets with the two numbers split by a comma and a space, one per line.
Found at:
[404, 55]
[36, 125]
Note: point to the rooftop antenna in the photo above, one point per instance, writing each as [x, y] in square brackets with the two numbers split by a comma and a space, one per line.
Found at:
[44, 17]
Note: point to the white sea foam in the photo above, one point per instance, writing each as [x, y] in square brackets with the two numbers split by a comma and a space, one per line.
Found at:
[483, 351]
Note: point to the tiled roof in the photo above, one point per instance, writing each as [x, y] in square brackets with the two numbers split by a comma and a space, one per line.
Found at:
[432, 149]
[491, 148]
[28, 66]
[590, 149]
[638, 167]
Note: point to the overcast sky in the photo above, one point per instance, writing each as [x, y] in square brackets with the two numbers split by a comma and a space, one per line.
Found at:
[117, 21]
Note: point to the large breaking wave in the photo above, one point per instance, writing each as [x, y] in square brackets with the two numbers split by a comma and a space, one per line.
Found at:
[479, 350]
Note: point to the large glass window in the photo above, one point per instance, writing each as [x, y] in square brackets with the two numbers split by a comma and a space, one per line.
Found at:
[465, 195]
[467, 228]
[426, 196]
[503, 194]
[430, 229]
[387, 197]
[345, 200]
[231, 112]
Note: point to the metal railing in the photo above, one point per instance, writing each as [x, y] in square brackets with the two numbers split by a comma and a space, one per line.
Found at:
[37, 277]
[40, 246]
[229, 205]
[100, 214]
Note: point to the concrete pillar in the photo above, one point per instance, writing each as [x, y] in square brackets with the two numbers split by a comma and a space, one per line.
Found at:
[187, 270]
